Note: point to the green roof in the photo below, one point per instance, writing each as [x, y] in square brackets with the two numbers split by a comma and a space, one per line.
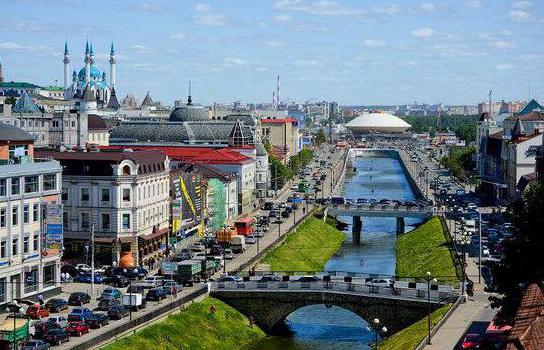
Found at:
[53, 88]
[17, 85]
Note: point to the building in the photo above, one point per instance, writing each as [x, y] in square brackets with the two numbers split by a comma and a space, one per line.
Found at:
[528, 329]
[282, 133]
[377, 122]
[99, 133]
[123, 196]
[30, 239]
[188, 201]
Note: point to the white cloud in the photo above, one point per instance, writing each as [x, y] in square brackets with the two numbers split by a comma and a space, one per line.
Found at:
[388, 9]
[520, 16]
[522, 4]
[138, 47]
[503, 44]
[148, 7]
[283, 18]
[318, 8]
[230, 61]
[307, 63]
[177, 36]
[423, 33]
[274, 44]
[473, 3]
[428, 7]
[211, 19]
[505, 66]
[200, 7]
[8, 45]
[374, 43]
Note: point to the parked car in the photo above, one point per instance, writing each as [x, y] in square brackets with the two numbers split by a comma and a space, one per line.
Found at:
[56, 305]
[35, 344]
[69, 269]
[379, 282]
[86, 277]
[156, 294]
[37, 311]
[56, 336]
[308, 279]
[107, 303]
[470, 341]
[118, 281]
[132, 272]
[97, 320]
[79, 298]
[77, 328]
[259, 232]
[79, 314]
[270, 278]
[169, 286]
[228, 254]
[117, 312]
[56, 322]
[152, 281]
[110, 293]
[228, 278]
[251, 239]
[83, 268]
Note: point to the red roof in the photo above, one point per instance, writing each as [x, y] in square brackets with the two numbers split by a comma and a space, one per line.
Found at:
[528, 328]
[174, 153]
[222, 156]
[282, 121]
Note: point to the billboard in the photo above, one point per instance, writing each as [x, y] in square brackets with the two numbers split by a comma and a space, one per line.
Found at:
[54, 232]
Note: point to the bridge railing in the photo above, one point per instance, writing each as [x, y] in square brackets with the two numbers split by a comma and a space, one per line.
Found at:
[381, 207]
[336, 286]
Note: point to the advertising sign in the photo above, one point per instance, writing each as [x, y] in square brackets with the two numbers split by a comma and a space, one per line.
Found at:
[54, 232]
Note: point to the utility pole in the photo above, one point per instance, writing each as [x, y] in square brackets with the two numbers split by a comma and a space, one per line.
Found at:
[92, 259]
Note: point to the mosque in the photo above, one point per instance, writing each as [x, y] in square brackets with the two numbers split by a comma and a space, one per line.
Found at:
[90, 78]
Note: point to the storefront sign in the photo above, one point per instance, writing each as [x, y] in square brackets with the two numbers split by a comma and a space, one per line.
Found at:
[54, 229]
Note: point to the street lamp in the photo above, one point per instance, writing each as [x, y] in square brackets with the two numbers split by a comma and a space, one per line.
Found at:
[479, 247]
[464, 243]
[429, 279]
[375, 326]
[135, 271]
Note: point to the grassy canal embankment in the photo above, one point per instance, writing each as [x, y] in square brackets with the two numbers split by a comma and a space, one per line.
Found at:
[427, 248]
[308, 248]
[194, 328]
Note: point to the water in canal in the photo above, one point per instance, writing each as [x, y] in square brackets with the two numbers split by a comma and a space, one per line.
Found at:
[318, 328]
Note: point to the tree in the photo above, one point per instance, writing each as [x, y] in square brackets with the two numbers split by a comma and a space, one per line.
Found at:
[320, 137]
[280, 173]
[522, 261]
[459, 161]
[10, 100]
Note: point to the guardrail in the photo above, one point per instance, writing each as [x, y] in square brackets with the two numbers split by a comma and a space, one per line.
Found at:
[436, 296]
[381, 207]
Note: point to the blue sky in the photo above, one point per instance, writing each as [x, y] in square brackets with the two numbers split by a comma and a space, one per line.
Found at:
[354, 52]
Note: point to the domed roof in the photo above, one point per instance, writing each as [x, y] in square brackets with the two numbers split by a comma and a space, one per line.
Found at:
[377, 122]
[13, 133]
[185, 113]
[95, 73]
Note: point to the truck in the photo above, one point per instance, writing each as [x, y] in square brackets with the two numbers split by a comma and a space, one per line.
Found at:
[13, 330]
[245, 226]
[238, 244]
[209, 266]
[189, 272]
[133, 301]
[224, 234]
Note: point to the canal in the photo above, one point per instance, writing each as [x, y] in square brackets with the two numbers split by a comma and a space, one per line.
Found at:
[317, 327]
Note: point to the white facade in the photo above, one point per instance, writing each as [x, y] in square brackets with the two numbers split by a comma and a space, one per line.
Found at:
[519, 159]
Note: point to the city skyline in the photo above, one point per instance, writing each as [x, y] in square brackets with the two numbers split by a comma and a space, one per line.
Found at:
[350, 51]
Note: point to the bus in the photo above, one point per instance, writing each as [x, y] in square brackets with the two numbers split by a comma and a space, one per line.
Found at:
[245, 226]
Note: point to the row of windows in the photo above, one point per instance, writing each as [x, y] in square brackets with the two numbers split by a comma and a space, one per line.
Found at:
[149, 191]
[33, 209]
[27, 247]
[152, 216]
[105, 221]
[29, 184]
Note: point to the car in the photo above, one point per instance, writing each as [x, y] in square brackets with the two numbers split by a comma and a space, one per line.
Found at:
[270, 278]
[198, 247]
[251, 239]
[135, 289]
[79, 314]
[110, 293]
[258, 232]
[56, 305]
[228, 254]
[288, 209]
[86, 277]
[78, 328]
[57, 336]
[118, 312]
[169, 286]
[104, 269]
[379, 282]
[97, 320]
[472, 206]
[131, 273]
[37, 311]
[56, 322]
[107, 303]
[156, 294]
[273, 214]
[308, 279]
[118, 281]
[216, 249]
[228, 278]
[285, 214]
[471, 341]
[79, 298]
[35, 344]
[83, 268]
[69, 269]
[152, 281]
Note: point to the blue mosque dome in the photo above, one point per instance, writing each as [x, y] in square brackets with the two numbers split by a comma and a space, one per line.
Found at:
[95, 73]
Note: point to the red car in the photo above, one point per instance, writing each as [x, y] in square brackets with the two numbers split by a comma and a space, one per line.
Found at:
[471, 341]
[77, 328]
[36, 312]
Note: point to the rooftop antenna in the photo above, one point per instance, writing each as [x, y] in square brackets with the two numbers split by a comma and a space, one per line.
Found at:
[189, 100]
[490, 93]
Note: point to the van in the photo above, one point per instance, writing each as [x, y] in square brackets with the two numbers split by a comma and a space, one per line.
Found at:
[238, 244]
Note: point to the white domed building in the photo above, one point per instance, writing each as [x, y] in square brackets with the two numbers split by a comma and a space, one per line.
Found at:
[377, 122]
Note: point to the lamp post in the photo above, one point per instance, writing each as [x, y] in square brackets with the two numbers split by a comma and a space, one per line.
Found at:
[135, 271]
[479, 247]
[429, 279]
[375, 326]
[464, 243]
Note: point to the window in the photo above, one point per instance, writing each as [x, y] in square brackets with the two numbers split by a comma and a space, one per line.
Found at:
[73, 123]
[2, 187]
[49, 275]
[14, 215]
[64, 195]
[3, 249]
[126, 170]
[84, 220]
[49, 182]
[36, 241]
[85, 194]
[3, 217]
[15, 185]
[126, 220]
[31, 280]
[65, 219]
[15, 247]
[26, 244]
[26, 215]
[126, 194]
[105, 221]
[105, 195]
[35, 212]
[2, 290]
[31, 184]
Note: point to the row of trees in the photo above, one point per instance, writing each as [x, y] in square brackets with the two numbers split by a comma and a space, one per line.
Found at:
[281, 173]
[460, 161]
[463, 126]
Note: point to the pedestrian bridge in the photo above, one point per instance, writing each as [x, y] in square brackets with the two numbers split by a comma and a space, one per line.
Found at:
[270, 303]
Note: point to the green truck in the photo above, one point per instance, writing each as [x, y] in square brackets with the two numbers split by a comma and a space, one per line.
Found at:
[189, 272]
[13, 329]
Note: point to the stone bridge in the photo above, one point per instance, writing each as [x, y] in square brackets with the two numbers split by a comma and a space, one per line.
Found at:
[270, 304]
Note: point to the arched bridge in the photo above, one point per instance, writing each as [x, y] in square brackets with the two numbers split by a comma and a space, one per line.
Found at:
[269, 303]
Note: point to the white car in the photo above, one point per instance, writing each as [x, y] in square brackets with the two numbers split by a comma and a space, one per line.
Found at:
[251, 239]
[380, 282]
[228, 254]
[152, 281]
[83, 267]
[472, 206]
